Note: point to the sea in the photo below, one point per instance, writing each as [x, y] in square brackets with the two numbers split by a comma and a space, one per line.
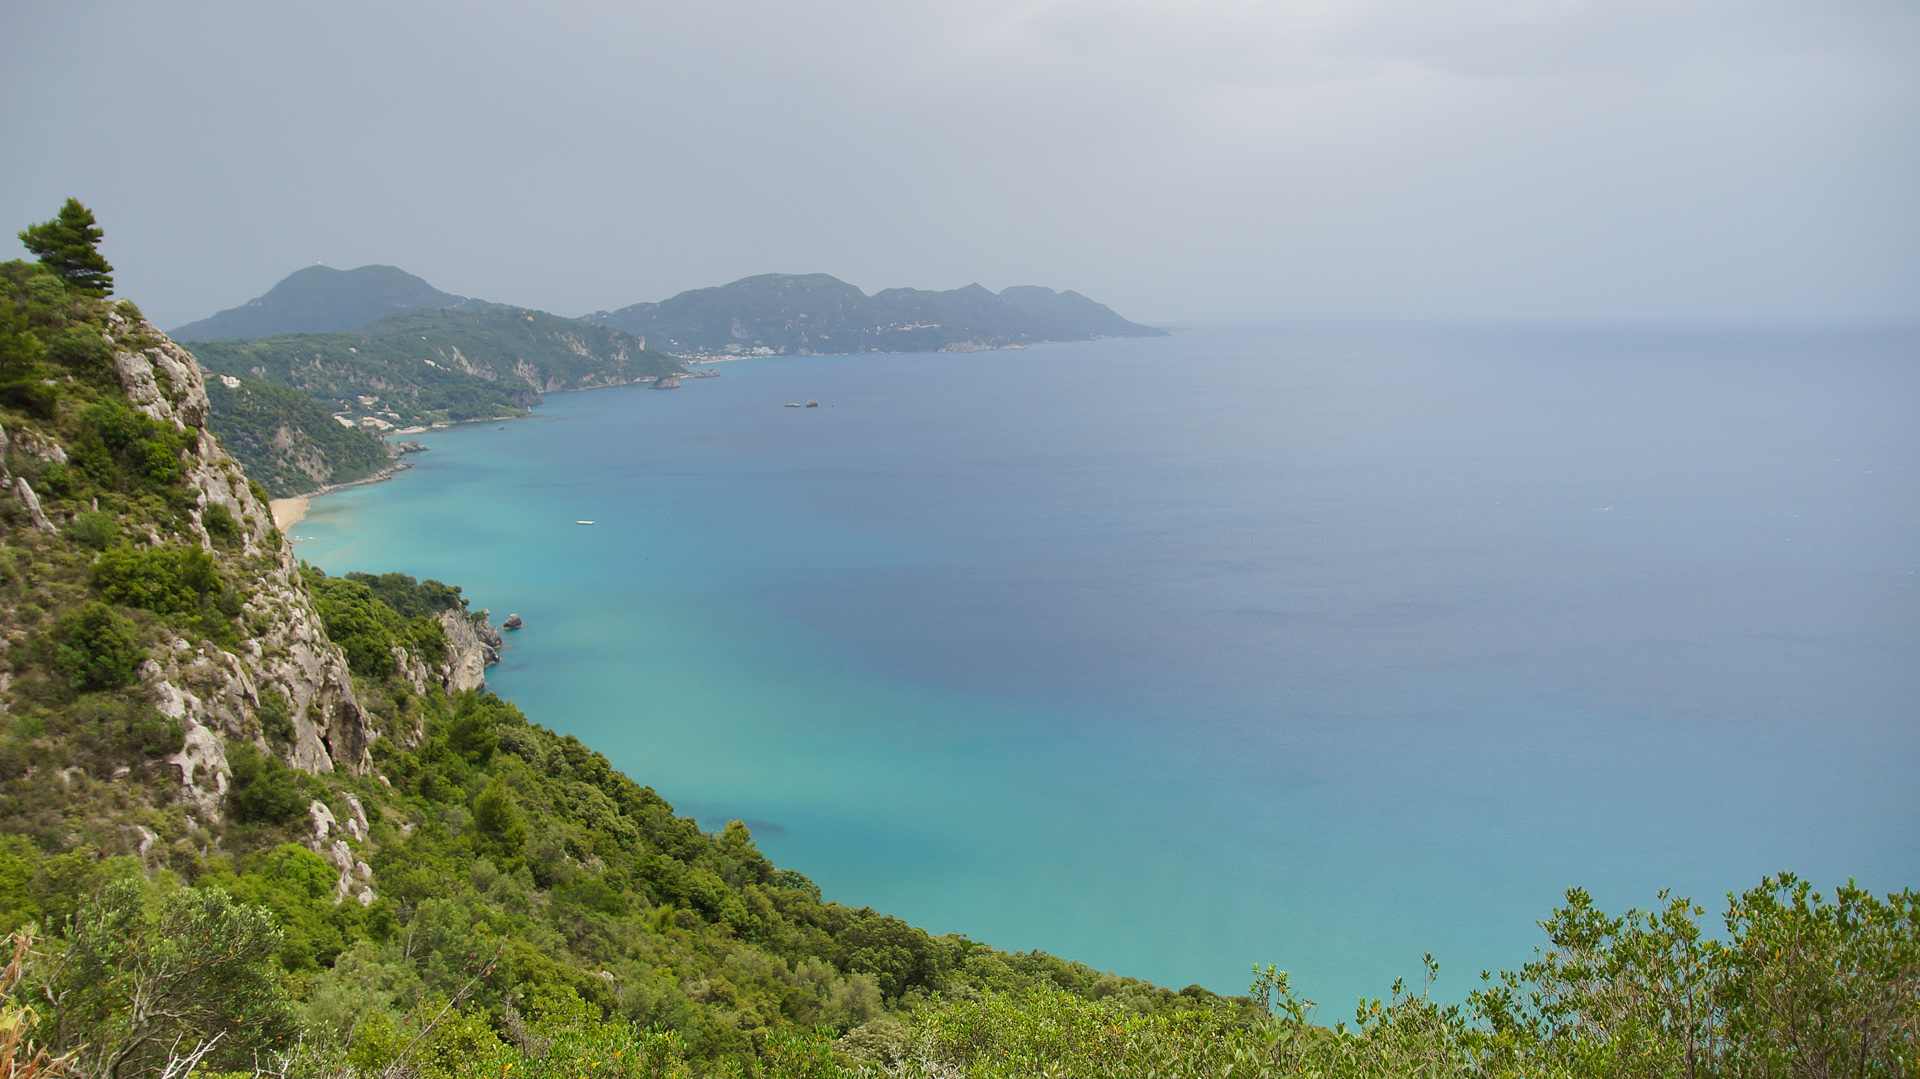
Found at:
[1325, 645]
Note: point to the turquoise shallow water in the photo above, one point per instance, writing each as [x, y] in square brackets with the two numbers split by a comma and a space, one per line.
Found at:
[1321, 645]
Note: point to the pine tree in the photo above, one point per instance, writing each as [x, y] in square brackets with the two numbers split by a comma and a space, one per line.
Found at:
[69, 245]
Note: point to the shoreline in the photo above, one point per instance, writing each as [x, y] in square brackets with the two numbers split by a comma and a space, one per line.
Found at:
[291, 510]
[295, 506]
[287, 512]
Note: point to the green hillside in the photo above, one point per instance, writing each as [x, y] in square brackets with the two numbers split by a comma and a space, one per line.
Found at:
[427, 366]
[320, 299]
[816, 314]
[287, 441]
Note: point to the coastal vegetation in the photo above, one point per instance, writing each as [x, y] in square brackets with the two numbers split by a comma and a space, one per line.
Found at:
[289, 442]
[255, 821]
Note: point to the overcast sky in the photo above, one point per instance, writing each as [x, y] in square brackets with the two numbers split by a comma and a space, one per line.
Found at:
[1176, 159]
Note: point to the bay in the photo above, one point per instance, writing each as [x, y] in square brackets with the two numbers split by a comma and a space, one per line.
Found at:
[1325, 645]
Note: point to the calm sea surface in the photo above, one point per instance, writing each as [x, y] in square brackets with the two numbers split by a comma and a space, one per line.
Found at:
[1322, 645]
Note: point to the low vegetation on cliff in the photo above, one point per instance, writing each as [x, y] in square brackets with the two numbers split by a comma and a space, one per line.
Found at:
[257, 819]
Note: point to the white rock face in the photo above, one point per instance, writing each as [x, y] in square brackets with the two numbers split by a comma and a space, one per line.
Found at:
[471, 653]
[27, 498]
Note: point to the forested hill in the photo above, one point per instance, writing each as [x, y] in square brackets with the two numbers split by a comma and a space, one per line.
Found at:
[320, 299]
[816, 314]
[432, 365]
[288, 442]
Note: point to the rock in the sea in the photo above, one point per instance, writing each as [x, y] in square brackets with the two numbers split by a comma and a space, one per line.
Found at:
[512, 622]
[667, 382]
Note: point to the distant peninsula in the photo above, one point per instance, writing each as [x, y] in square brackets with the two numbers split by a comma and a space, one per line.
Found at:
[818, 314]
[312, 374]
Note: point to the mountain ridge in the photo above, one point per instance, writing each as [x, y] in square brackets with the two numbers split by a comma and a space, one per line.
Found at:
[819, 314]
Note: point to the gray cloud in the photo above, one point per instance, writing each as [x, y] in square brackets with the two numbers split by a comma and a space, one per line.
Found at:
[1201, 159]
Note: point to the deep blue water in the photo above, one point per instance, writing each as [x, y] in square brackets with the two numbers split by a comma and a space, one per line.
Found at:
[1322, 645]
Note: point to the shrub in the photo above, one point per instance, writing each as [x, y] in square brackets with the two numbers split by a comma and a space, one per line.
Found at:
[98, 530]
[119, 731]
[164, 580]
[84, 353]
[365, 628]
[120, 449]
[219, 523]
[276, 718]
[146, 971]
[96, 647]
[502, 830]
[263, 791]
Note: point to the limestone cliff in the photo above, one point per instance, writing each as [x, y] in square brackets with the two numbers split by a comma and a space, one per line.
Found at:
[213, 692]
[473, 645]
[153, 621]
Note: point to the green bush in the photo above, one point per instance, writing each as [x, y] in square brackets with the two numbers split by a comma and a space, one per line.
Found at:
[98, 530]
[410, 598]
[115, 731]
[96, 647]
[84, 353]
[365, 628]
[121, 450]
[219, 523]
[276, 718]
[501, 829]
[263, 790]
[179, 581]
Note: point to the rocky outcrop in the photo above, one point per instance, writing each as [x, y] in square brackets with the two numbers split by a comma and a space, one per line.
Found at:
[27, 498]
[473, 645]
[215, 694]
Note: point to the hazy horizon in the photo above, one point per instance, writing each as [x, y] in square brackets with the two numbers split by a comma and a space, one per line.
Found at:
[1210, 161]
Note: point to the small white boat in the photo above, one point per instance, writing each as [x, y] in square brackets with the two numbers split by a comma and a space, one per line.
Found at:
[583, 522]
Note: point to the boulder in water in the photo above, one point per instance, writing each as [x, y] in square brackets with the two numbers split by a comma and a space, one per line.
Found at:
[512, 622]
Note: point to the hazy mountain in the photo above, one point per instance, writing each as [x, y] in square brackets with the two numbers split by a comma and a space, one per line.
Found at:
[320, 299]
[1069, 311]
[814, 314]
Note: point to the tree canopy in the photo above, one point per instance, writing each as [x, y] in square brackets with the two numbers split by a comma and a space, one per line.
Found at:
[69, 245]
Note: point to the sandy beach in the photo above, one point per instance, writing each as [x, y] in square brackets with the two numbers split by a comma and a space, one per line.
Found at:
[287, 511]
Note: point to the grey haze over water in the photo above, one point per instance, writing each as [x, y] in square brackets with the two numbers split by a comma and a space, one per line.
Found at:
[1199, 159]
